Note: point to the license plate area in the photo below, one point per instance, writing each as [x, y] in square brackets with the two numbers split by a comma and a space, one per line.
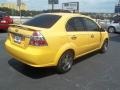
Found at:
[18, 38]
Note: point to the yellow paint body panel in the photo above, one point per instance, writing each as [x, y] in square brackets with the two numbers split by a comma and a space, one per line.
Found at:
[58, 41]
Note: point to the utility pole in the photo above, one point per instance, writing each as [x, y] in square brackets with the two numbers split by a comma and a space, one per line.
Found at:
[19, 7]
[12, 12]
[20, 13]
[52, 5]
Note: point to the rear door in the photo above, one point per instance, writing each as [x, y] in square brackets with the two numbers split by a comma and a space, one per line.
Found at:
[93, 33]
[77, 35]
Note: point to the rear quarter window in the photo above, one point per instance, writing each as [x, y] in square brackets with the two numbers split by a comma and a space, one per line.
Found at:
[75, 24]
[43, 21]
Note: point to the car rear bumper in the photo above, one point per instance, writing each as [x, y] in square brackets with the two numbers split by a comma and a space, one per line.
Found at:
[30, 56]
[4, 26]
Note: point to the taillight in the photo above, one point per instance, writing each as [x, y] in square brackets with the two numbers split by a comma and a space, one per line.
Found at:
[37, 39]
[3, 21]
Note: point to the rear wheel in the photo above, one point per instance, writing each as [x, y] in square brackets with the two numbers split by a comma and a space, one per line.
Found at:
[104, 47]
[65, 62]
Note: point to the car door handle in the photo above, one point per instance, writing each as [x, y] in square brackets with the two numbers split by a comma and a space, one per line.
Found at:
[74, 37]
[92, 36]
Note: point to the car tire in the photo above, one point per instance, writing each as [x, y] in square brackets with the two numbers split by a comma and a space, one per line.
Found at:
[65, 62]
[104, 47]
[111, 29]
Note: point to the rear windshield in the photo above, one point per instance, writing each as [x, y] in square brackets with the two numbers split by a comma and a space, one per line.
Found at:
[43, 21]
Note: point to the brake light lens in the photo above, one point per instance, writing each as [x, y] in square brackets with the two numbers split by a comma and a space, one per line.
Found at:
[3, 21]
[37, 39]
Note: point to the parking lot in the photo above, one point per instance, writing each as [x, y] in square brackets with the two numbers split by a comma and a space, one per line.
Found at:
[92, 72]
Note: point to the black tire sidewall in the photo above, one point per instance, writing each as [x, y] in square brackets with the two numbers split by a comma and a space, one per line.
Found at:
[59, 66]
[104, 47]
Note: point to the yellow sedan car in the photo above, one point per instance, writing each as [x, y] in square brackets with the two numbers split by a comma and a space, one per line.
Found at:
[55, 39]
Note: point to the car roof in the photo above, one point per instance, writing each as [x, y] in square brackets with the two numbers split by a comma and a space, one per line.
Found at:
[69, 14]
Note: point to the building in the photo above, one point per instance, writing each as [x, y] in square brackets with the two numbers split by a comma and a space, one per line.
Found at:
[14, 6]
[117, 7]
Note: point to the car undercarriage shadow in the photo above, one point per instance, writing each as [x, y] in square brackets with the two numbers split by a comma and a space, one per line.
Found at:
[85, 57]
[3, 31]
[31, 72]
[37, 73]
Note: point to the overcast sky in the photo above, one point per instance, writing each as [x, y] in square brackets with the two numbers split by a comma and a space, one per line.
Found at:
[85, 5]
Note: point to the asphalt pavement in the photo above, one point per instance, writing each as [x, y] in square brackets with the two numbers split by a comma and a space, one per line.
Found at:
[92, 72]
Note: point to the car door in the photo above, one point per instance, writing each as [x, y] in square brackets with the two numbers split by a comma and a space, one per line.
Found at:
[77, 35]
[94, 34]
[117, 27]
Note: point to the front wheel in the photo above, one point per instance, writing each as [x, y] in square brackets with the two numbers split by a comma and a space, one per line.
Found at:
[65, 63]
[104, 47]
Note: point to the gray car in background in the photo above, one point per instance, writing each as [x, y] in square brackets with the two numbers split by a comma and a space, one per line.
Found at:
[113, 27]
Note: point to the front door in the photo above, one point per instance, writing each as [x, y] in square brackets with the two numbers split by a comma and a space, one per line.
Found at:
[94, 34]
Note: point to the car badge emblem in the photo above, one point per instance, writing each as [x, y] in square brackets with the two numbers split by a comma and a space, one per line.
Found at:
[16, 30]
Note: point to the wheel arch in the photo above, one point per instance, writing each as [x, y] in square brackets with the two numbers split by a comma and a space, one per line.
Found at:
[105, 39]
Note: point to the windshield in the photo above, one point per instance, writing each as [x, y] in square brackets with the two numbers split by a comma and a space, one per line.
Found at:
[43, 21]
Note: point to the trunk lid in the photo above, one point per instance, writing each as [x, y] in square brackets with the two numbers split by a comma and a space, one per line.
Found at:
[20, 34]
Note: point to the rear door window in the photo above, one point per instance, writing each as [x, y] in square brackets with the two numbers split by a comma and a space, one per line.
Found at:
[43, 21]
